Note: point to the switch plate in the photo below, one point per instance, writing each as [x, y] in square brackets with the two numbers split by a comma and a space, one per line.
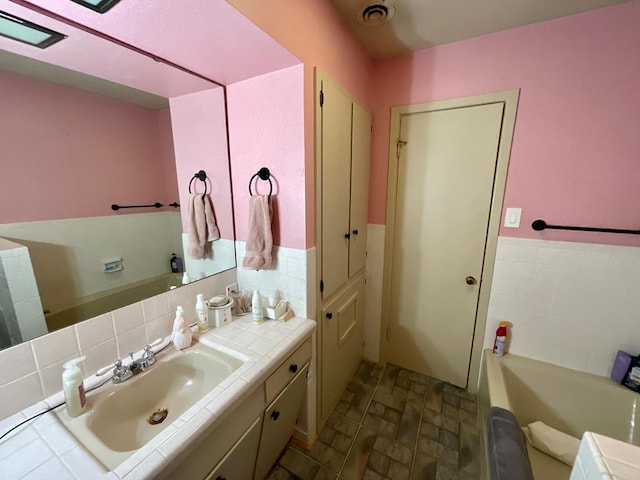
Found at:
[512, 217]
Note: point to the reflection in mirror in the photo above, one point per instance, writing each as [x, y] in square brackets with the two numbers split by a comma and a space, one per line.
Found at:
[70, 153]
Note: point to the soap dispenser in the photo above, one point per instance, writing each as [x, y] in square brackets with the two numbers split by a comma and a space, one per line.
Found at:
[181, 335]
[73, 387]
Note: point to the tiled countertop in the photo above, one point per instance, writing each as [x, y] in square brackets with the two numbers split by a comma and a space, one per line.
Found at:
[43, 448]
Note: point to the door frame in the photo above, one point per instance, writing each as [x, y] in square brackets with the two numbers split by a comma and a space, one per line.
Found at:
[510, 100]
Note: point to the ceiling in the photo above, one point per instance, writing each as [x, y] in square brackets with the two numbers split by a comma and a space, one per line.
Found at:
[420, 24]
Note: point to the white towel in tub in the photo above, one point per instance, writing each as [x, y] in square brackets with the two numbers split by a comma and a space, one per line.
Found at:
[559, 445]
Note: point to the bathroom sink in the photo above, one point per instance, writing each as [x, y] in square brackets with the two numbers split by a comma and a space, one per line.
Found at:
[122, 418]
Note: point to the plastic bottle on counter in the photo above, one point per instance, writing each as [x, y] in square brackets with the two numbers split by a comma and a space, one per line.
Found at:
[201, 314]
[181, 334]
[73, 387]
[256, 307]
[501, 339]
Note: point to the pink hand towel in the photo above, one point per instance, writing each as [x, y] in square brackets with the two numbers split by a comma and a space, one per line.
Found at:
[259, 239]
[202, 224]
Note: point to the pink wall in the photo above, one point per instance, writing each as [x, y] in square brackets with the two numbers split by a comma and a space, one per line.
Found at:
[266, 129]
[574, 159]
[314, 33]
[68, 153]
[200, 142]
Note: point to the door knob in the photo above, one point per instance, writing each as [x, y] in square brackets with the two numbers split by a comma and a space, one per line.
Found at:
[329, 315]
[471, 280]
[355, 232]
[347, 236]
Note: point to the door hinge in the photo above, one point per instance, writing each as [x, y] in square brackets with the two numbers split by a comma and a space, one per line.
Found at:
[399, 145]
[321, 286]
[388, 334]
[321, 98]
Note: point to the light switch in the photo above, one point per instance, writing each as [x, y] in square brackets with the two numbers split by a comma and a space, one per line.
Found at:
[512, 217]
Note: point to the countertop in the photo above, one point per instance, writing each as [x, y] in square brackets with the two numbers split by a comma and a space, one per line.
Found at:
[44, 448]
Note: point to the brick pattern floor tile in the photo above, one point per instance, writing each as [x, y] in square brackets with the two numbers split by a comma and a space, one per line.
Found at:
[392, 424]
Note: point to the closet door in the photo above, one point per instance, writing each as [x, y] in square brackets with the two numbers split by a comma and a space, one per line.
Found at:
[336, 178]
[360, 150]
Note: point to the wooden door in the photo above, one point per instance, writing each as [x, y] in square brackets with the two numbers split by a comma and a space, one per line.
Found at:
[336, 177]
[342, 343]
[446, 173]
[279, 422]
[359, 211]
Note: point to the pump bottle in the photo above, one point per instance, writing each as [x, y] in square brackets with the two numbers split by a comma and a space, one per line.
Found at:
[256, 307]
[201, 314]
[73, 387]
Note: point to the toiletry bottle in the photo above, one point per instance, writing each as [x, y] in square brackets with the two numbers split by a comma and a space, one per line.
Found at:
[181, 335]
[201, 314]
[185, 278]
[501, 339]
[73, 387]
[177, 322]
[176, 263]
[256, 307]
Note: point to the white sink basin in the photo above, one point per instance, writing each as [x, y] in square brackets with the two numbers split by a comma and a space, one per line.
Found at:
[122, 418]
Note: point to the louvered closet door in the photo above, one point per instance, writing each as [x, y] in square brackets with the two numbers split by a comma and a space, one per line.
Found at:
[336, 177]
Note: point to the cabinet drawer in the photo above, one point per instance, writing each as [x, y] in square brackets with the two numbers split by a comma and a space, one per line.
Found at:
[285, 372]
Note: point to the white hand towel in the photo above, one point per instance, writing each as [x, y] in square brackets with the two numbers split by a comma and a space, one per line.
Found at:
[202, 224]
[559, 445]
[259, 238]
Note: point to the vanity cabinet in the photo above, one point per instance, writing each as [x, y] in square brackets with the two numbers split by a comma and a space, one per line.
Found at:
[248, 441]
[278, 423]
[238, 463]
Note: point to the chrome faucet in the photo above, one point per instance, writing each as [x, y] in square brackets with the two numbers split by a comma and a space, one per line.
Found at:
[122, 373]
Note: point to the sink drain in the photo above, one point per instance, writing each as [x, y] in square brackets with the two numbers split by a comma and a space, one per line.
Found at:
[158, 416]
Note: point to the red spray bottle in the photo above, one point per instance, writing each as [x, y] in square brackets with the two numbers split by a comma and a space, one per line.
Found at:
[501, 339]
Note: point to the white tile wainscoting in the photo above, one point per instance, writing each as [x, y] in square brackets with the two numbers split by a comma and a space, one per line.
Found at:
[571, 304]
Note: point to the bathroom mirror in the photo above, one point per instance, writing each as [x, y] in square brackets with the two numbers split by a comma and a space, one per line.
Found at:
[74, 145]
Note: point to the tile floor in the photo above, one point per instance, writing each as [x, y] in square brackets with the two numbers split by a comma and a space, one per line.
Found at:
[395, 424]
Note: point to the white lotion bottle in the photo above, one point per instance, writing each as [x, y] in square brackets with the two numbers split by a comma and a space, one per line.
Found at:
[74, 394]
[256, 307]
[201, 314]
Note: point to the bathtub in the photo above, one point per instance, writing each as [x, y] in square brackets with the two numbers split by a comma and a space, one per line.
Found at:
[568, 400]
[61, 316]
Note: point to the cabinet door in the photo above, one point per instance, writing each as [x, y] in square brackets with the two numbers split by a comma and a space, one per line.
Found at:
[360, 153]
[342, 339]
[336, 178]
[278, 424]
[239, 462]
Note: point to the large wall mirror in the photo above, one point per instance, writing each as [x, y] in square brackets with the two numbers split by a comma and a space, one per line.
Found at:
[87, 124]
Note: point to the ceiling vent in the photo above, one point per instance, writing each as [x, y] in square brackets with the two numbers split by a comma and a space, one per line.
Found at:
[375, 13]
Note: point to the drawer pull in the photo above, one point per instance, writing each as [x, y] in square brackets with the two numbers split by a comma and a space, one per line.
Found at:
[221, 478]
[329, 315]
[293, 368]
[275, 414]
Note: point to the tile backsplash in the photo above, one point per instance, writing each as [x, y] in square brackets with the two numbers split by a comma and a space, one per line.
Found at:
[571, 304]
[32, 371]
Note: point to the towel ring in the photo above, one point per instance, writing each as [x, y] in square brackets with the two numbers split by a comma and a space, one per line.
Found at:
[263, 174]
[202, 176]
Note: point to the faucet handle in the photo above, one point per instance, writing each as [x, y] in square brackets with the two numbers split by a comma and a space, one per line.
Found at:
[148, 356]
